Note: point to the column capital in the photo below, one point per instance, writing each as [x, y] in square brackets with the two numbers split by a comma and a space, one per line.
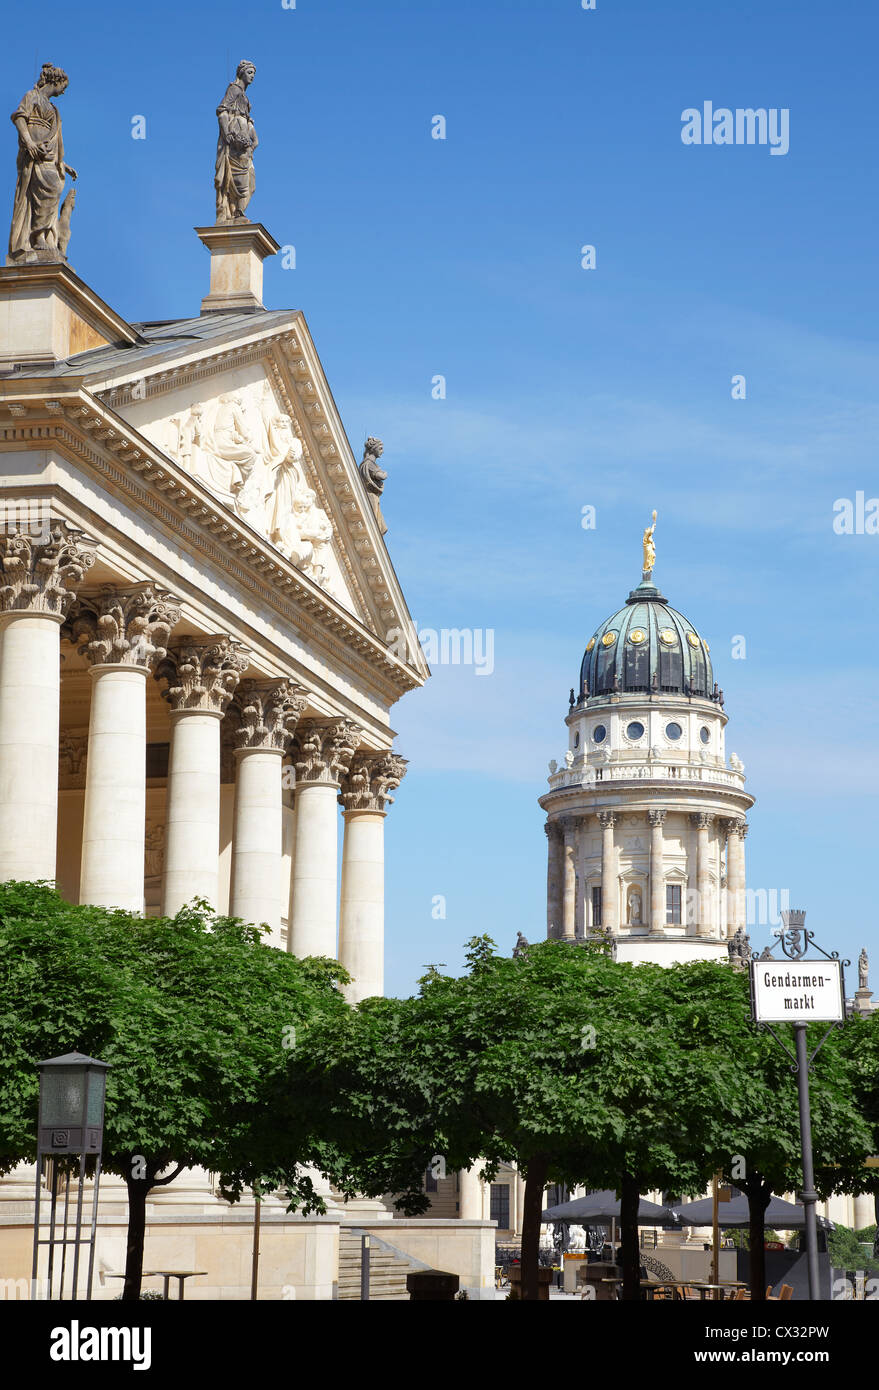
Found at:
[124, 627]
[607, 819]
[703, 820]
[202, 674]
[265, 714]
[323, 749]
[40, 574]
[370, 780]
[553, 829]
[656, 817]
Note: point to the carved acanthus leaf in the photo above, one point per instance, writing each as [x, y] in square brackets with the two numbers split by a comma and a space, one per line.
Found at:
[40, 575]
[203, 675]
[371, 779]
[127, 627]
[266, 713]
[323, 750]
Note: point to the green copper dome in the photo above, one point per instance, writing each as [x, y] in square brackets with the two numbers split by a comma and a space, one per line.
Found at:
[647, 647]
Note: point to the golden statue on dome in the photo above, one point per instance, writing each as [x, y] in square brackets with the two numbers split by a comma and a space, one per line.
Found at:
[649, 550]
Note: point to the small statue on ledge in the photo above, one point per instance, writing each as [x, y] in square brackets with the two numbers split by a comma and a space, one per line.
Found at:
[234, 179]
[863, 967]
[40, 231]
[374, 477]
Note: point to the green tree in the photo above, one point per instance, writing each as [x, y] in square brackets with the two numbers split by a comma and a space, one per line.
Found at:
[198, 1020]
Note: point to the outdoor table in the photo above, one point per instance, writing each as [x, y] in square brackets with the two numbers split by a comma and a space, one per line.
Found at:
[178, 1274]
[712, 1290]
[649, 1284]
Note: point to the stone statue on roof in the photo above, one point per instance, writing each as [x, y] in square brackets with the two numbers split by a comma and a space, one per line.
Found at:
[40, 223]
[234, 179]
[374, 477]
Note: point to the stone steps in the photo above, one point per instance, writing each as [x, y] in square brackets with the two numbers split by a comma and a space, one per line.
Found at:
[387, 1273]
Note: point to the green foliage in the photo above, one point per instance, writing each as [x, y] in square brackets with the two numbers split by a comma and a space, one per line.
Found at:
[846, 1252]
[189, 1011]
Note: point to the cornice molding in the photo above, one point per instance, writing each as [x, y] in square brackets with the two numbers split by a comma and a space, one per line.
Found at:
[82, 425]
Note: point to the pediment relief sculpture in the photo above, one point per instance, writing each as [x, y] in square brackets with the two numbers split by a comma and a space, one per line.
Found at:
[244, 448]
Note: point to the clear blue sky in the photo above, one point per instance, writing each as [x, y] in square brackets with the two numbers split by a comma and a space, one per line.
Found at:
[565, 387]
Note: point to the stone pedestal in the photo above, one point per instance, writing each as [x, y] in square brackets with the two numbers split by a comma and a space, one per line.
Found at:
[48, 314]
[238, 250]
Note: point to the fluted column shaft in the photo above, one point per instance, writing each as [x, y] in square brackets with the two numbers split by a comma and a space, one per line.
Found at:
[704, 913]
[657, 878]
[122, 633]
[553, 879]
[36, 590]
[364, 794]
[322, 756]
[735, 878]
[265, 713]
[609, 895]
[569, 864]
[202, 678]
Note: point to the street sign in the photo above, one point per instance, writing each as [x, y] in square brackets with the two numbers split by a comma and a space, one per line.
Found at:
[797, 991]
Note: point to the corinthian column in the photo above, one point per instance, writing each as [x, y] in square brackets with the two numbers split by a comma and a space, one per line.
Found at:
[704, 915]
[657, 880]
[609, 894]
[123, 634]
[365, 793]
[39, 577]
[553, 879]
[569, 871]
[322, 756]
[265, 714]
[202, 677]
[735, 876]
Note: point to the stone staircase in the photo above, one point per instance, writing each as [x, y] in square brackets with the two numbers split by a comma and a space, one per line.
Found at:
[387, 1268]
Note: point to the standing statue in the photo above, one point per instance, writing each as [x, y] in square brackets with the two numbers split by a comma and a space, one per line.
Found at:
[40, 232]
[863, 966]
[234, 179]
[649, 550]
[374, 477]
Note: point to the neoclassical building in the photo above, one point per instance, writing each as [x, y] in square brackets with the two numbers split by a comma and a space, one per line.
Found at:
[195, 666]
[646, 817]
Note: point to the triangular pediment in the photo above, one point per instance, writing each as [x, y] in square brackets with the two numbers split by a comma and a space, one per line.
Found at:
[244, 407]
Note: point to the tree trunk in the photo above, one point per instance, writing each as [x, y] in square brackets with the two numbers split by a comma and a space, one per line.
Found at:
[758, 1200]
[137, 1195]
[535, 1185]
[630, 1200]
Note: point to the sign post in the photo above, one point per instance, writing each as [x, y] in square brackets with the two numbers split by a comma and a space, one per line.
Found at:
[811, 990]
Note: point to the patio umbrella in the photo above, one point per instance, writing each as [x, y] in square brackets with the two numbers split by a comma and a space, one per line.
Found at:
[780, 1215]
[603, 1207]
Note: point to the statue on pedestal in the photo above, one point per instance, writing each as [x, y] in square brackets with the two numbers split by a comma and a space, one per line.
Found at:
[40, 226]
[649, 550]
[234, 179]
[863, 967]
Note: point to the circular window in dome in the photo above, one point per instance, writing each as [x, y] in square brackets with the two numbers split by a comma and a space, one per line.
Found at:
[705, 734]
[635, 730]
[668, 636]
[692, 639]
[599, 733]
[637, 635]
[608, 639]
[590, 644]
[673, 731]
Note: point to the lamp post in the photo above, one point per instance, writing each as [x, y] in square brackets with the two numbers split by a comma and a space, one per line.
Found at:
[70, 1121]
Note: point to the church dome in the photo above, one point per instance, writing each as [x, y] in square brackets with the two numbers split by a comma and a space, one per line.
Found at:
[647, 647]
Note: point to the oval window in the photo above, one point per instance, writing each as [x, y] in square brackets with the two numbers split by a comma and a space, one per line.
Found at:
[576, 740]
[673, 731]
[635, 730]
[599, 733]
[705, 734]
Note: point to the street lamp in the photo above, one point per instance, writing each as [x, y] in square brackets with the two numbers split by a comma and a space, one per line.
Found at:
[70, 1121]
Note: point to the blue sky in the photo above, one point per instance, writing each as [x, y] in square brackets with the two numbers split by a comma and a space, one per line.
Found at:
[565, 387]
